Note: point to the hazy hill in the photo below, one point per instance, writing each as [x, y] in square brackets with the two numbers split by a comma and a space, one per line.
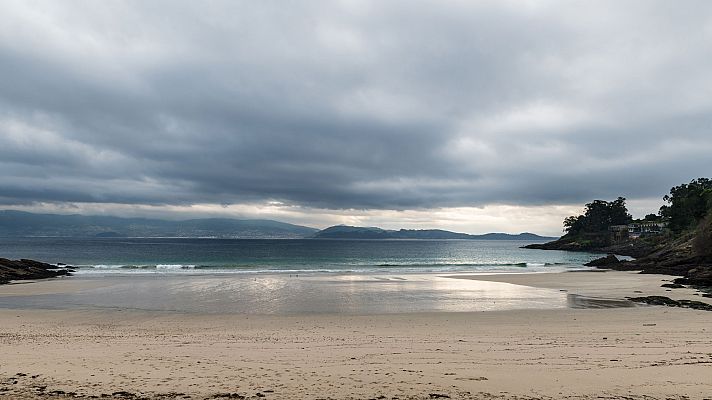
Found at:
[359, 232]
[19, 223]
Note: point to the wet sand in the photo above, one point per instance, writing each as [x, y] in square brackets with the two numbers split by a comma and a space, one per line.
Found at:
[598, 283]
[639, 352]
[280, 294]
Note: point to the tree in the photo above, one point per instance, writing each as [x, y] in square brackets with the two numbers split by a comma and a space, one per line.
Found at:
[651, 218]
[573, 224]
[687, 204]
[598, 216]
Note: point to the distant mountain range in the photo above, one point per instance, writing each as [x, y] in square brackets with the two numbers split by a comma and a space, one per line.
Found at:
[20, 223]
[358, 232]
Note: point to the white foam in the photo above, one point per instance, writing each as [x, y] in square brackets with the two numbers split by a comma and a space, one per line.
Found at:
[102, 266]
[174, 266]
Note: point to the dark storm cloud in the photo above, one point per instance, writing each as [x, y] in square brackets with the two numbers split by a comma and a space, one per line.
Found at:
[384, 105]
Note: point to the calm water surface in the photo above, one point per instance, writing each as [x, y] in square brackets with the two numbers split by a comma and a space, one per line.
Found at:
[127, 256]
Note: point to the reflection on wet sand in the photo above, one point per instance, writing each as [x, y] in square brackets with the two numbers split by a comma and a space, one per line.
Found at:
[284, 294]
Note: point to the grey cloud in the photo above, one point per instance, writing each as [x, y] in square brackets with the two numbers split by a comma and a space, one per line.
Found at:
[352, 105]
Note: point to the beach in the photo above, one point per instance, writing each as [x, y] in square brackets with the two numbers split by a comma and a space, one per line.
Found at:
[355, 200]
[639, 352]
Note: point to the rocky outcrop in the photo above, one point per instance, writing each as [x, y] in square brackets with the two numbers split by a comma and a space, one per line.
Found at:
[678, 256]
[558, 245]
[604, 262]
[675, 257]
[598, 244]
[699, 276]
[23, 269]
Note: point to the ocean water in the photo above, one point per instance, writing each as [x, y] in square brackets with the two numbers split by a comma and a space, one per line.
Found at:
[229, 256]
[290, 276]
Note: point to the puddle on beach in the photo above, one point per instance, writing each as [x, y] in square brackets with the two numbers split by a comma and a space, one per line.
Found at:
[577, 301]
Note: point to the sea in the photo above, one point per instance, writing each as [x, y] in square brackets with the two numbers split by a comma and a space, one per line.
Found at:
[166, 256]
[290, 276]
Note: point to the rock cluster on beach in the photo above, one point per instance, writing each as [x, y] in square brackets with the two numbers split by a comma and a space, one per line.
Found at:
[29, 269]
[666, 301]
[698, 276]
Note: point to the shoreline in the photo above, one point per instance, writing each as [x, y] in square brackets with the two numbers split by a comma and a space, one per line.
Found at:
[595, 284]
[642, 352]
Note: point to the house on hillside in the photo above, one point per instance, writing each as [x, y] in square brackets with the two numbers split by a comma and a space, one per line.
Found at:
[621, 233]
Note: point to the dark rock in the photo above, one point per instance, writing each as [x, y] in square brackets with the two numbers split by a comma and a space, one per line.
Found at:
[606, 261]
[666, 301]
[597, 243]
[673, 285]
[700, 275]
[29, 269]
[695, 305]
[655, 300]
[123, 394]
[438, 396]
[227, 396]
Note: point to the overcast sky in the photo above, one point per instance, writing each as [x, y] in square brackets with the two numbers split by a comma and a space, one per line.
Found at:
[471, 116]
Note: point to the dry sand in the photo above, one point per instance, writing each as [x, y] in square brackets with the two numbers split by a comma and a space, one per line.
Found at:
[639, 353]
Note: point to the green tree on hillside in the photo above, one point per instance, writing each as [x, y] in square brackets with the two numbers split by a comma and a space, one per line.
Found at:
[652, 218]
[598, 216]
[687, 204]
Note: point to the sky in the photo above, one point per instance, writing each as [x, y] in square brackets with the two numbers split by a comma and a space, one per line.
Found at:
[474, 116]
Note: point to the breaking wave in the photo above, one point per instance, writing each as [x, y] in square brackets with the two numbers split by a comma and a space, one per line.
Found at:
[321, 268]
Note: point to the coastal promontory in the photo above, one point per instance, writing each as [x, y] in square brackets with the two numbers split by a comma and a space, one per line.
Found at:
[15, 270]
[675, 241]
